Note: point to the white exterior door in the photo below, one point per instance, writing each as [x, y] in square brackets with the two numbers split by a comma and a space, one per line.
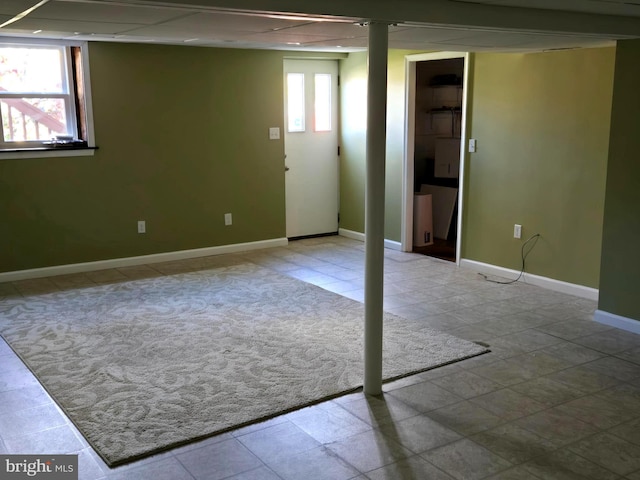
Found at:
[311, 146]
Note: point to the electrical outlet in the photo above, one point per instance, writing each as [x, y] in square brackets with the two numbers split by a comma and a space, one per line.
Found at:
[227, 219]
[517, 231]
[142, 226]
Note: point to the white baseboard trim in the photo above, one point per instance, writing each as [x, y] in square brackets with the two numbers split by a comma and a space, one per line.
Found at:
[139, 260]
[545, 282]
[390, 244]
[343, 232]
[613, 320]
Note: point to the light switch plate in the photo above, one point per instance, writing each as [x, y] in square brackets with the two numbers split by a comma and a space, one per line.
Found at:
[472, 145]
[274, 133]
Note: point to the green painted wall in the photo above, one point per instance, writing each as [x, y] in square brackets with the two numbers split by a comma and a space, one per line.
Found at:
[183, 139]
[542, 127]
[353, 75]
[620, 272]
[395, 142]
[353, 129]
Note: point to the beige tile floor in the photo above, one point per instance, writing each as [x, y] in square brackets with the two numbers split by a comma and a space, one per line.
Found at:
[558, 397]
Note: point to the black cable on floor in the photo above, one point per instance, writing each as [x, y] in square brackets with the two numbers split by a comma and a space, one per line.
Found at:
[524, 256]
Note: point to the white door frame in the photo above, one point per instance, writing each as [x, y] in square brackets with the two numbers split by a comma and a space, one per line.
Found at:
[409, 145]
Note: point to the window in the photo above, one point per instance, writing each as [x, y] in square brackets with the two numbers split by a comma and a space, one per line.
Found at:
[42, 96]
[323, 102]
[295, 102]
[319, 111]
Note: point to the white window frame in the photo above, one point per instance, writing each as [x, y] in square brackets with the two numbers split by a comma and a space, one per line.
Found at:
[37, 149]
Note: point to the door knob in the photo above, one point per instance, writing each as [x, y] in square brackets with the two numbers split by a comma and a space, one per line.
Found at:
[286, 169]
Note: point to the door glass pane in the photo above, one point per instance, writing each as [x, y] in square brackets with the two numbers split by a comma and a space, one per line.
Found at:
[295, 102]
[323, 102]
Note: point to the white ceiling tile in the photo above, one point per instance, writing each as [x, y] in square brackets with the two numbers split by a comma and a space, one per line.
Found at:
[32, 24]
[360, 42]
[286, 38]
[165, 24]
[107, 13]
[227, 26]
[243, 23]
[14, 7]
[16, 32]
[184, 32]
[330, 29]
[631, 9]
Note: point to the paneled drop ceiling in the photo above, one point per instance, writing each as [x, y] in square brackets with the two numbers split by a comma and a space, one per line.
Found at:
[204, 24]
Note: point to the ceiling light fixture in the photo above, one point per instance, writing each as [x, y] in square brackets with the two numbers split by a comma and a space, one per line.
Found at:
[301, 18]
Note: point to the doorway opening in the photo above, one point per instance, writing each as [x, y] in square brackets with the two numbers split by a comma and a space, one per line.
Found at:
[436, 112]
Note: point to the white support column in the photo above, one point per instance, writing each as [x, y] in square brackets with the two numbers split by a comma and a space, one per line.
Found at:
[374, 207]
